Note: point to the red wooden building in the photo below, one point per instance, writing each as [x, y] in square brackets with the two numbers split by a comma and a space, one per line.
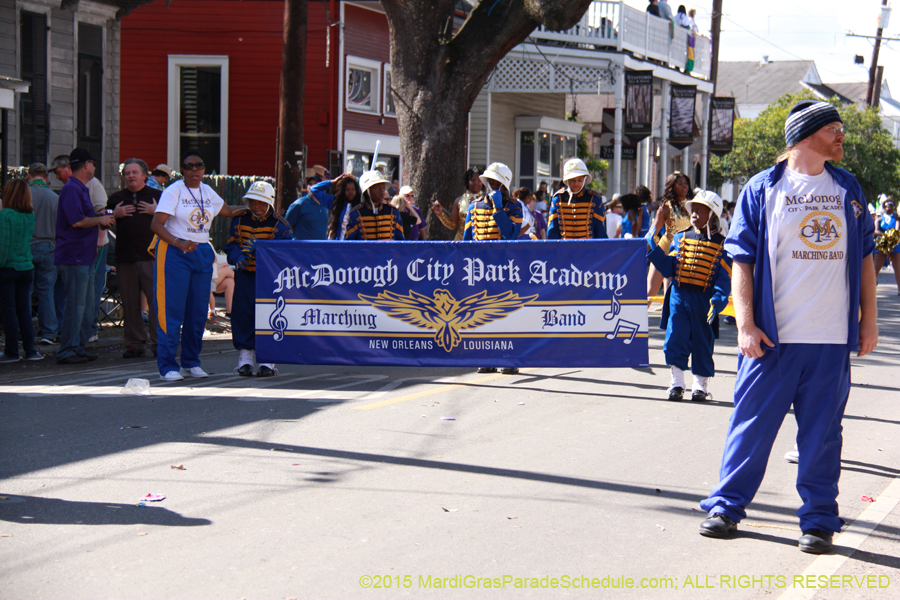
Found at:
[205, 74]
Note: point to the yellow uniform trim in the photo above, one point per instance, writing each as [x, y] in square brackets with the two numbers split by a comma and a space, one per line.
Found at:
[161, 285]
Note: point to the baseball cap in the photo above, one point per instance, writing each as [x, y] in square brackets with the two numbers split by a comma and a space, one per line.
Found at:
[37, 168]
[80, 155]
[59, 161]
[162, 168]
[405, 190]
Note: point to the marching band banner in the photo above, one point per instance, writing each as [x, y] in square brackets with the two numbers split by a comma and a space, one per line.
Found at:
[461, 304]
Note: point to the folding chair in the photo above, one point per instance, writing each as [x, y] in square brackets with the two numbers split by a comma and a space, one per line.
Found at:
[110, 302]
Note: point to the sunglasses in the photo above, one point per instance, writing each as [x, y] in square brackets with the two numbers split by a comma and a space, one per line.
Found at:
[197, 166]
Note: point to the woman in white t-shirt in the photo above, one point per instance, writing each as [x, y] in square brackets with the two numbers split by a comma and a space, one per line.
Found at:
[183, 270]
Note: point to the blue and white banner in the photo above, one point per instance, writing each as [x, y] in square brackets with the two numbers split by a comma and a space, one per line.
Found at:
[497, 304]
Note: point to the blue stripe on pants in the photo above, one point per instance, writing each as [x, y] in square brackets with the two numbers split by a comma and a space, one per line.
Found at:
[816, 380]
[181, 285]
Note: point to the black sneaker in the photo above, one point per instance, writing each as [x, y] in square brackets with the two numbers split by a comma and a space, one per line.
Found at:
[487, 370]
[815, 541]
[676, 394]
[8, 359]
[89, 357]
[510, 371]
[699, 396]
[133, 353]
[244, 370]
[718, 526]
[265, 371]
[72, 359]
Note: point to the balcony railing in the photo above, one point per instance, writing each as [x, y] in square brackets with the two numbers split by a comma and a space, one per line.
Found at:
[615, 26]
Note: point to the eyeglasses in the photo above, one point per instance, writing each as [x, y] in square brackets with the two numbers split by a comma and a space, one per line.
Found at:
[194, 166]
[837, 129]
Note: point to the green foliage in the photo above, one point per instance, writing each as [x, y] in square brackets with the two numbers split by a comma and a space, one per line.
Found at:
[869, 153]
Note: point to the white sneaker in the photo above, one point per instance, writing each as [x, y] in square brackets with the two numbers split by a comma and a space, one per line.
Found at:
[172, 376]
[793, 456]
[93, 338]
[196, 372]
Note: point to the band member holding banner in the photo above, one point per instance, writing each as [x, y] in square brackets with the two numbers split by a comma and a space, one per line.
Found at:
[261, 223]
[702, 274]
[184, 263]
[804, 295]
[576, 212]
[373, 218]
[496, 216]
[457, 219]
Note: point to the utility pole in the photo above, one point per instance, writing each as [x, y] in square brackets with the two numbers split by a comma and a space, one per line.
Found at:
[871, 100]
[290, 112]
[715, 31]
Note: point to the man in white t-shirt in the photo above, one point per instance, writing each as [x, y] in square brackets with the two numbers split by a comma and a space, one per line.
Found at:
[804, 295]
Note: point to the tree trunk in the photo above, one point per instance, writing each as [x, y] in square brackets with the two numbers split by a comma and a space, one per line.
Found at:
[436, 76]
[289, 177]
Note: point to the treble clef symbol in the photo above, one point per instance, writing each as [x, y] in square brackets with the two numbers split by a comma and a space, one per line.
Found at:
[277, 321]
[614, 309]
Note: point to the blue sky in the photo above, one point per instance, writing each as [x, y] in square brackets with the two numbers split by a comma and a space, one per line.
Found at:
[803, 29]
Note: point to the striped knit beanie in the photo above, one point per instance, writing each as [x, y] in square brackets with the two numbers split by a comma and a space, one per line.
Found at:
[806, 118]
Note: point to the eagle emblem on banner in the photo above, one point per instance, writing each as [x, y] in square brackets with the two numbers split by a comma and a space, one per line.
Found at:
[444, 314]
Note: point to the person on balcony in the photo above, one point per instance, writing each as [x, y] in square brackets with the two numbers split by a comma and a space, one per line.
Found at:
[665, 11]
[653, 9]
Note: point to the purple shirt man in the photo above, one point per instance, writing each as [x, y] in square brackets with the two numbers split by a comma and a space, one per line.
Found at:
[75, 245]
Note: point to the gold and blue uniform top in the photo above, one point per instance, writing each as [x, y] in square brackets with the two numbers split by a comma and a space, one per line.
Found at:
[576, 216]
[370, 224]
[484, 222]
[699, 258]
[247, 227]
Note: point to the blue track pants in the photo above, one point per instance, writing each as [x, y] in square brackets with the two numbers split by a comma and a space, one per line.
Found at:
[181, 285]
[815, 378]
[243, 310]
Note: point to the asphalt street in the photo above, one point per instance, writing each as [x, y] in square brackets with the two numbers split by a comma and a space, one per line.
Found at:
[353, 482]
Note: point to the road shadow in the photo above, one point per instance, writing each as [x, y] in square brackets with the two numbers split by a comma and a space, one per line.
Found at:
[55, 511]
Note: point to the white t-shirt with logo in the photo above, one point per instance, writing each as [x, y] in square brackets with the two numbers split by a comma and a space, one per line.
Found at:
[809, 263]
[186, 218]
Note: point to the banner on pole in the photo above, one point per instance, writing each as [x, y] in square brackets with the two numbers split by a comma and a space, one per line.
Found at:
[721, 125]
[501, 304]
[681, 116]
[638, 104]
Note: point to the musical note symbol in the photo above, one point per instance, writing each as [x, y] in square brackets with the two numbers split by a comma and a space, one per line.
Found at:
[277, 321]
[614, 309]
[627, 326]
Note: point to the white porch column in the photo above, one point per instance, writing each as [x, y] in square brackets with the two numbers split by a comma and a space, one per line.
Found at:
[664, 137]
[639, 160]
[617, 144]
[704, 140]
[648, 162]
[686, 164]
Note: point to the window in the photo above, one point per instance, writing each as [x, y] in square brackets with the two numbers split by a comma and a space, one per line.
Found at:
[544, 144]
[388, 94]
[363, 78]
[198, 110]
[90, 91]
[33, 116]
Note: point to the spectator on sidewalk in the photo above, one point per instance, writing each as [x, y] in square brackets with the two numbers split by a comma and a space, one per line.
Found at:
[160, 177]
[133, 208]
[98, 201]
[77, 230]
[43, 242]
[16, 271]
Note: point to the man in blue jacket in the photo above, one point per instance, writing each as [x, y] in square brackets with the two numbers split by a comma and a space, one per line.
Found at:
[804, 295]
